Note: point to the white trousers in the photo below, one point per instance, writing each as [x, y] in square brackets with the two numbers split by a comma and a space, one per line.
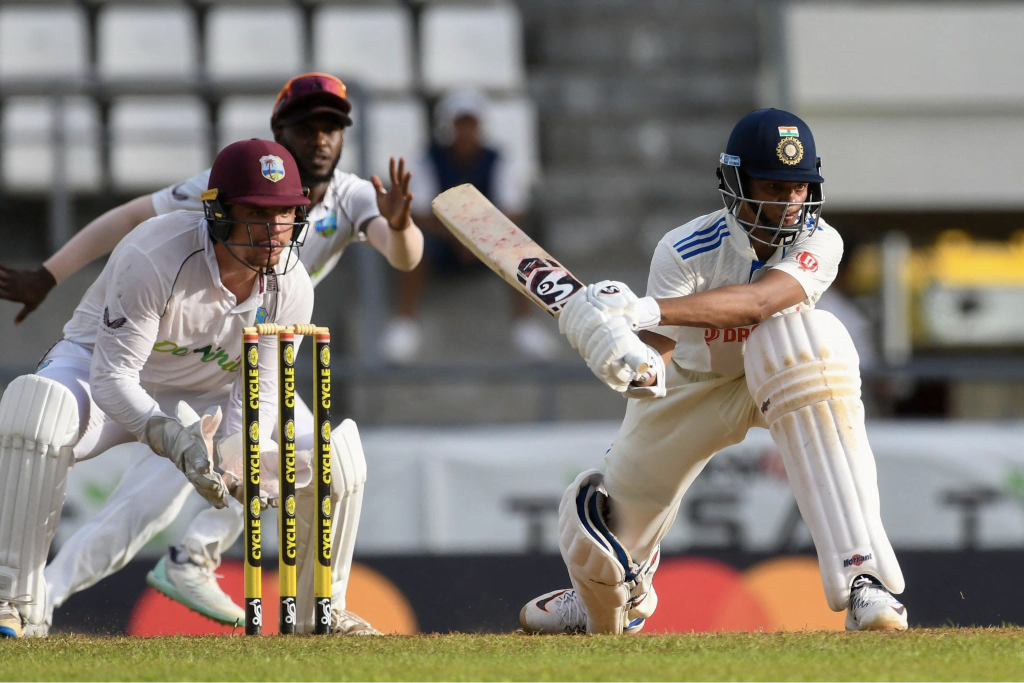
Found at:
[663, 444]
[147, 499]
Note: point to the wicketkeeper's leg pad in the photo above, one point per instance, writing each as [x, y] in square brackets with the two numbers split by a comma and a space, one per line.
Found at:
[802, 371]
[348, 477]
[38, 430]
[611, 586]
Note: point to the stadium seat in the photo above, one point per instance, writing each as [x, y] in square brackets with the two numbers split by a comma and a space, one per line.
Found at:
[28, 145]
[254, 41]
[156, 141]
[511, 127]
[479, 46]
[47, 41]
[138, 41]
[398, 127]
[368, 44]
[245, 117]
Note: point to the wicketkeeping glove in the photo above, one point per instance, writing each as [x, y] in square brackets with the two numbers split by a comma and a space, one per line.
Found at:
[187, 441]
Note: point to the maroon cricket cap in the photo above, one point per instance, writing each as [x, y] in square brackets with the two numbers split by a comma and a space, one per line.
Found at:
[258, 173]
[311, 94]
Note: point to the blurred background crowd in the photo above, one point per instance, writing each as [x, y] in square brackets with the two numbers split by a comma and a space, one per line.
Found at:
[607, 118]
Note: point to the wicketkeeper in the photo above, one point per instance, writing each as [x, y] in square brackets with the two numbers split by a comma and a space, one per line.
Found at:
[189, 279]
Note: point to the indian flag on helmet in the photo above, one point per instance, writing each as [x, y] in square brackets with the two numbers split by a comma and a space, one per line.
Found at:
[789, 132]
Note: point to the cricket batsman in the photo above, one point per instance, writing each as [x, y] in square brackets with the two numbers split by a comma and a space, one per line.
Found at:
[733, 341]
[309, 119]
[190, 278]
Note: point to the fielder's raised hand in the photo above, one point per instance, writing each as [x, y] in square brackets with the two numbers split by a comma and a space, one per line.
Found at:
[395, 205]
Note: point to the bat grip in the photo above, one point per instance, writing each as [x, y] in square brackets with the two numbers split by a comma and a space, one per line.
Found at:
[637, 361]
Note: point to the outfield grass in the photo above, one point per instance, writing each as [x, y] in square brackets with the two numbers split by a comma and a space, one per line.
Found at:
[939, 654]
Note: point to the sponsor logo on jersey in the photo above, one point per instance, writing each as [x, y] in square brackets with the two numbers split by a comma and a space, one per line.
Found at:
[114, 324]
[857, 560]
[272, 168]
[209, 355]
[728, 335]
[178, 194]
[807, 261]
[261, 315]
[328, 225]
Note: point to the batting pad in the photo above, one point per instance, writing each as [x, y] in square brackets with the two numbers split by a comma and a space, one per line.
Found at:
[803, 371]
[611, 586]
[38, 429]
[348, 477]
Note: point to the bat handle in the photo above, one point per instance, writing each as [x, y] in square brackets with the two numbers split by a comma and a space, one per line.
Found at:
[638, 362]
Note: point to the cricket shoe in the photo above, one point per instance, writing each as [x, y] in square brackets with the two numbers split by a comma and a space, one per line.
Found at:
[10, 621]
[346, 623]
[562, 611]
[873, 608]
[195, 586]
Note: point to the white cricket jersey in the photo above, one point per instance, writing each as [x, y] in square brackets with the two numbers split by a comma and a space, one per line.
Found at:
[336, 222]
[162, 327]
[714, 251]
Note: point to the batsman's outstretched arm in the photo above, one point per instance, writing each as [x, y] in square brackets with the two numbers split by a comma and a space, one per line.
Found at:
[29, 286]
[734, 305]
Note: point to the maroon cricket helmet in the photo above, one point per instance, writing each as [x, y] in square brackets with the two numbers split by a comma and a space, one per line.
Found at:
[257, 173]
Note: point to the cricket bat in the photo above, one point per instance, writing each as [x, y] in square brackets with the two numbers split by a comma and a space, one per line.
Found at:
[509, 251]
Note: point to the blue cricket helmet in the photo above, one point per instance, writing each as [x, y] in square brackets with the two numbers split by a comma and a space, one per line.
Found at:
[771, 144]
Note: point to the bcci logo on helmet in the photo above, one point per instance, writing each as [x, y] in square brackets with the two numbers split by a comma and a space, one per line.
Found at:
[790, 151]
[272, 168]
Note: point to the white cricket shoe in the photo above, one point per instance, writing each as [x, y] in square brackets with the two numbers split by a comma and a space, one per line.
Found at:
[195, 586]
[562, 611]
[10, 621]
[346, 623]
[873, 608]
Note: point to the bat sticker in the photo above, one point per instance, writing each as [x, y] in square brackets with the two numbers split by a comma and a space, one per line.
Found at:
[548, 281]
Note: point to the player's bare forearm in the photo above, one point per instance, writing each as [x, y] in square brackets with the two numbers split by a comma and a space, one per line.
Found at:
[99, 237]
[734, 305]
[402, 248]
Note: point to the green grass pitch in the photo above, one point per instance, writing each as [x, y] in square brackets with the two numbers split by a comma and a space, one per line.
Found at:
[925, 654]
